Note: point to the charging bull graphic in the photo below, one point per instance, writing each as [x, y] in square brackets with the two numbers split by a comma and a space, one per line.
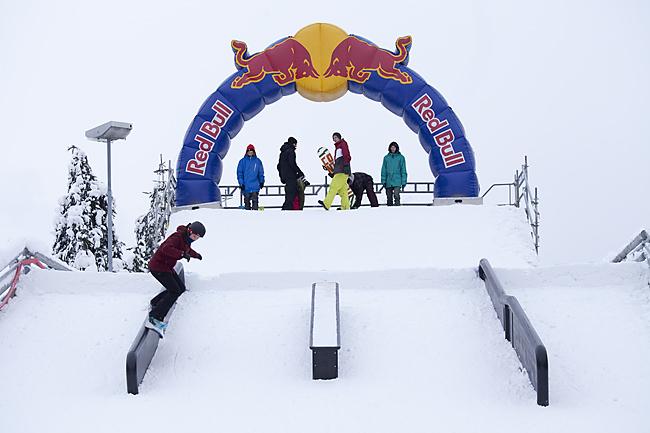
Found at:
[287, 61]
[354, 58]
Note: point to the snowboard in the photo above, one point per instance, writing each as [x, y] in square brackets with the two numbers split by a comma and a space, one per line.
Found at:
[152, 327]
[327, 160]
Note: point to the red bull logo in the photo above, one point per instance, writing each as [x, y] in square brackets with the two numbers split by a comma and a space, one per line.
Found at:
[210, 130]
[324, 55]
[322, 62]
[355, 59]
[287, 61]
[445, 138]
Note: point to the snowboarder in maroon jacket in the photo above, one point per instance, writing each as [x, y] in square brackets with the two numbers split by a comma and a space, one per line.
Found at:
[175, 247]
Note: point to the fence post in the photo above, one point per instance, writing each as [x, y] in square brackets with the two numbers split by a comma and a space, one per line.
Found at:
[536, 227]
[517, 188]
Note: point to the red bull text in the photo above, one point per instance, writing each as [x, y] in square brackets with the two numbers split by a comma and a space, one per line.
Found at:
[443, 139]
[211, 129]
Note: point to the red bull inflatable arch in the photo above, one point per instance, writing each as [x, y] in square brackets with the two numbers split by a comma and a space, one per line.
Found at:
[321, 62]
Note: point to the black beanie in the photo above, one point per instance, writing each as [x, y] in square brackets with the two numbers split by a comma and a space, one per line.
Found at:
[292, 140]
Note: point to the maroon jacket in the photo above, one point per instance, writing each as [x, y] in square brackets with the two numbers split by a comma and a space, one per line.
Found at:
[342, 159]
[172, 250]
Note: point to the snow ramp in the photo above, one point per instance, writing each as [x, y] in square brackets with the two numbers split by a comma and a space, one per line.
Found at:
[421, 349]
[365, 239]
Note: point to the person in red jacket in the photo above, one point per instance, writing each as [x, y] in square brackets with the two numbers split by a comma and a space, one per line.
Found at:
[175, 247]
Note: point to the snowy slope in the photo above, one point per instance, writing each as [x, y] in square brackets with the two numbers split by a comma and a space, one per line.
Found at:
[360, 240]
[421, 355]
[422, 349]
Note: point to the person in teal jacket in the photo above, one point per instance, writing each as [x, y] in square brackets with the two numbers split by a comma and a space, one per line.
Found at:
[393, 174]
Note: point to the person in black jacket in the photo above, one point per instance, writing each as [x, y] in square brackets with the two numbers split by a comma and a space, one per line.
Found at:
[289, 172]
[360, 182]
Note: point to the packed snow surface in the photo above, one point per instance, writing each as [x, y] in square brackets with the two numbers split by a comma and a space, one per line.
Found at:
[421, 347]
[366, 239]
[325, 320]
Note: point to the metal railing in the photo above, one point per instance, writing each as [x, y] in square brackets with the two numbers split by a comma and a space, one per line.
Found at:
[518, 331]
[519, 190]
[637, 250]
[229, 192]
[20, 265]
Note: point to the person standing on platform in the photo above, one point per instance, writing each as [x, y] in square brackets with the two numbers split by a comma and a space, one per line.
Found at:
[393, 174]
[250, 175]
[341, 173]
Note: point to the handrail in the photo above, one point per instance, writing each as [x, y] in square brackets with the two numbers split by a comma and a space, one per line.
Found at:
[20, 265]
[519, 189]
[637, 250]
[510, 186]
[49, 261]
[7, 294]
[228, 192]
[519, 331]
[532, 212]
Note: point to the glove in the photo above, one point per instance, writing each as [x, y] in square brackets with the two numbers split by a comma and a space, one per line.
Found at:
[242, 188]
[306, 182]
[325, 168]
[261, 185]
[403, 186]
[186, 256]
[199, 256]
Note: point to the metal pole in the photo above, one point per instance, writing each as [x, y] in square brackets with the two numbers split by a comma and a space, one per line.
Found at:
[517, 188]
[110, 210]
[536, 223]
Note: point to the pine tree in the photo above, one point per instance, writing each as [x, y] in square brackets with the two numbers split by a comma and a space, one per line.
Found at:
[151, 227]
[81, 234]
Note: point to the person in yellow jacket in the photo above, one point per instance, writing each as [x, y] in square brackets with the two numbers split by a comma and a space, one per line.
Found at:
[341, 173]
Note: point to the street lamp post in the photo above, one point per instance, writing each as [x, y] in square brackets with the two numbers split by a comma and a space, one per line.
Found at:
[107, 133]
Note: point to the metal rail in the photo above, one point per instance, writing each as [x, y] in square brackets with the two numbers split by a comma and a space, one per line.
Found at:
[20, 265]
[519, 190]
[637, 250]
[144, 348]
[519, 331]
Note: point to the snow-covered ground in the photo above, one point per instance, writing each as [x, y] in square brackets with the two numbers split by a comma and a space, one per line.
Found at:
[366, 239]
[422, 349]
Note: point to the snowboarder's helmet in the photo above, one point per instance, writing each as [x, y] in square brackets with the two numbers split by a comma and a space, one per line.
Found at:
[197, 228]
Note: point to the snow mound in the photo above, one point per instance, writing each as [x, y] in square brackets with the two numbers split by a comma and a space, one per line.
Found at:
[366, 239]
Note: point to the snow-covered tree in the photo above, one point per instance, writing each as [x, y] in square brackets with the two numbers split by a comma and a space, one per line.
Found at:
[81, 228]
[150, 228]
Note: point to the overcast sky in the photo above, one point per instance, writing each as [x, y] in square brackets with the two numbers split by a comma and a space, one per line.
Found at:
[565, 84]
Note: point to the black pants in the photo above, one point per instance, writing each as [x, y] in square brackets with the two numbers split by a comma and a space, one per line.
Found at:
[393, 192]
[369, 188]
[163, 301]
[290, 192]
[251, 196]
